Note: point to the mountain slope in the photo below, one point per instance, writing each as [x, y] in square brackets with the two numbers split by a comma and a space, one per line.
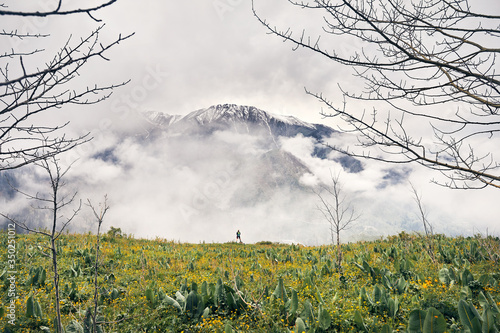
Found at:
[241, 119]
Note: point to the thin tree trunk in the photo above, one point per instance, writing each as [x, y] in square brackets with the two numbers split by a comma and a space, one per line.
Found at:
[94, 315]
[100, 217]
[56, 286]
[55, 185]
[339, 252]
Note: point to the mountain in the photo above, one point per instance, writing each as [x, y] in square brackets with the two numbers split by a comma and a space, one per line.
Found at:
[249, 120]
[241, 119]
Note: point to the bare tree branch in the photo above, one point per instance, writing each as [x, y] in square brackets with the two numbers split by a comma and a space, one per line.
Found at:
[428, 228]
[27, 90]
[57, 200]
[99, 216]
[334, 208]
[58, 11]
[415, 58]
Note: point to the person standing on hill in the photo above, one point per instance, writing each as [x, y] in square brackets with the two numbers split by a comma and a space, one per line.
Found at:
[238, 235]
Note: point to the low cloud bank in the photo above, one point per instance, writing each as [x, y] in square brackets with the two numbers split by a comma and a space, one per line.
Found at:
[204, 189]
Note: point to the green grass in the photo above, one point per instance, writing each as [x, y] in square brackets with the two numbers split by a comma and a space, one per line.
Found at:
[163, 286]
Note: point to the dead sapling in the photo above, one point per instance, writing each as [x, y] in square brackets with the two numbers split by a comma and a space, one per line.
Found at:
[53, 202]
[99, 213]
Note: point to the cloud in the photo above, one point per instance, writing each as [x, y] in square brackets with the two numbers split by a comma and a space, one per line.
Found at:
[196, 189]
[191, 54]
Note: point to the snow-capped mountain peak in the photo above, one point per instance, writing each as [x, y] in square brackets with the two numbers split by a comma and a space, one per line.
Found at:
[238, 118]
[228, 112]
[233, 112]
[160, 118]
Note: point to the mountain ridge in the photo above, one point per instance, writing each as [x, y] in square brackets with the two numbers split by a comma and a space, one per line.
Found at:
[240, 118]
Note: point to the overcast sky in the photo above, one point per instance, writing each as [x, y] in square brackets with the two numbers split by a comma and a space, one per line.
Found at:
[188, 55]
[203, 52]
[216, 52]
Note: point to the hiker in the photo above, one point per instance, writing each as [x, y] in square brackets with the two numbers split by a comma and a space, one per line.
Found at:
[238, 235]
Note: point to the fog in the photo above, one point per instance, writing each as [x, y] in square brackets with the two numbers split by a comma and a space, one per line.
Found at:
[204, 189]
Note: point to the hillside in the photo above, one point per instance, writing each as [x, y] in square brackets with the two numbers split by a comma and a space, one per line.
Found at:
[162, 286]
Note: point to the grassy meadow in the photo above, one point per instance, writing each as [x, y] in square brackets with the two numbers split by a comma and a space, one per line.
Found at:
[397, 284]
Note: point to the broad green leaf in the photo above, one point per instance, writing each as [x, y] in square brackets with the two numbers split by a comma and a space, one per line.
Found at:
[324, 318]
[393, 307]
[307, 313]
[114, 294]
[377, 294]
[318, 296]
[191, 302]
[358, 320]
[359, 266]
[402, 285]
[228, 328]
[30, 307]
[74, 327]
[149, 296]
[231, 302]
[494, 307]
[38, 310]
[294, 305]
[206, 312]
[220, 294]
[170, 301]
[366, 267]
[465, 292]
[416, 321]
[280, 291]
[489, 321]
[386, 329]
[364, 296]
[476, 325]
[444, 276]
[43, 276]
[467, 314]
[180, 298]
[204, 289]
[467, 277]
[434, 322]
[300, 327]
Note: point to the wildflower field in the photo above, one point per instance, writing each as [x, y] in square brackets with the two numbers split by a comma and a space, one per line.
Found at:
[404, 283]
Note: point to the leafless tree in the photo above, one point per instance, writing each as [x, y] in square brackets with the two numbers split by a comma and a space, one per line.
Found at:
[339, 213]
[430, 76]
[428, 228]
[28, 90]
[54, 202]
[99, 214]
